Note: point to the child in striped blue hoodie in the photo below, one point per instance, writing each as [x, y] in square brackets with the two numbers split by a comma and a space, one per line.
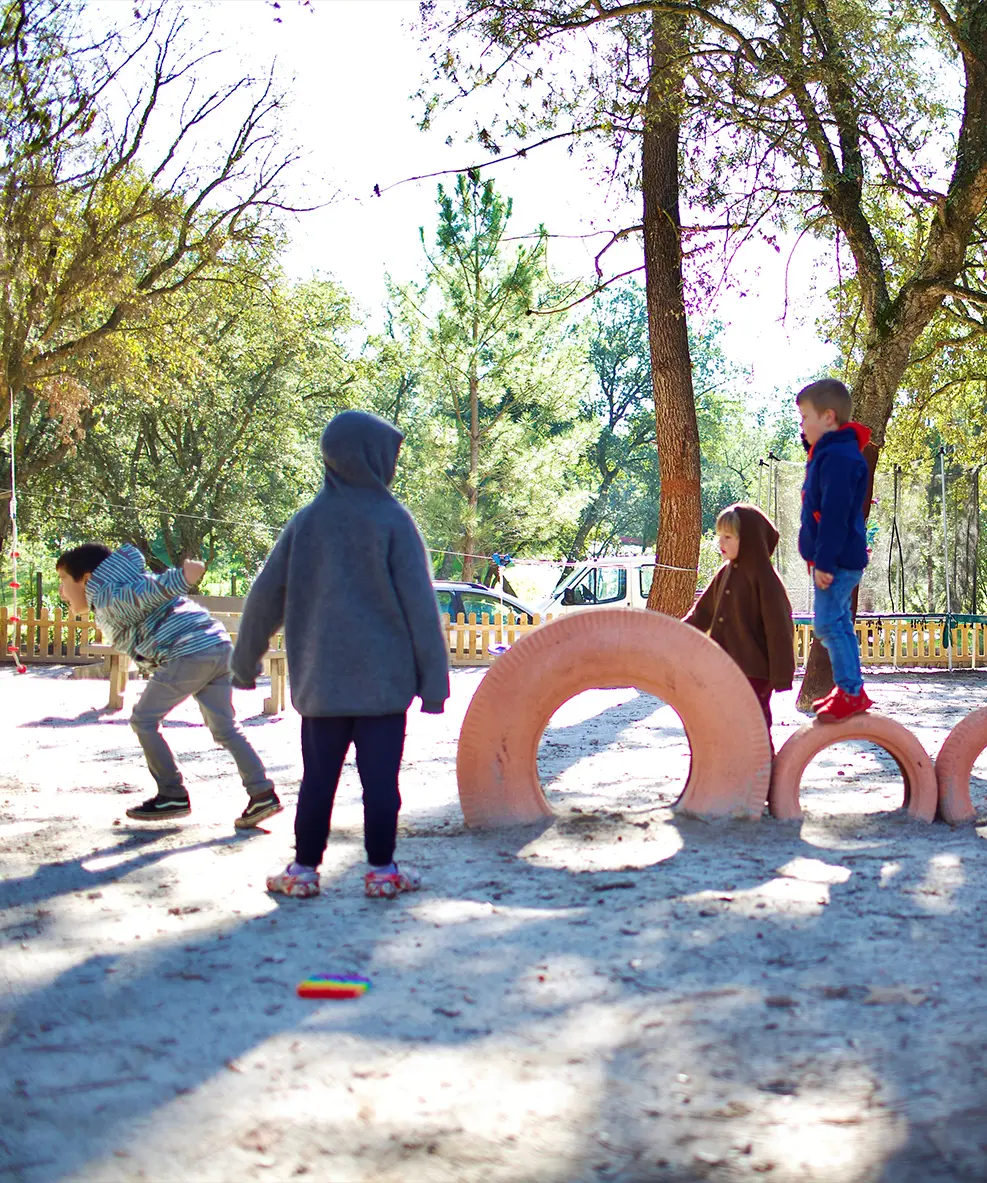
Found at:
[150, 618]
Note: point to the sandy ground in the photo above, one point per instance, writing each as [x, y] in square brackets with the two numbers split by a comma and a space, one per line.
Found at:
[616, 995]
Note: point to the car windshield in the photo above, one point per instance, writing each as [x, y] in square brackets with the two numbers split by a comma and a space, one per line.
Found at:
[600, 585]
[486, 607]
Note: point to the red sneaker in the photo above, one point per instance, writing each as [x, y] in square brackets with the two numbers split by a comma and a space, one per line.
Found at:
[818, 702]
[842, 706]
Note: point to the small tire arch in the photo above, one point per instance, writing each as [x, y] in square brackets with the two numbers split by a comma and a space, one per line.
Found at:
[904, 747]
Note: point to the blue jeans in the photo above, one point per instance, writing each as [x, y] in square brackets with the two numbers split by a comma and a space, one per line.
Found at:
[834, 628]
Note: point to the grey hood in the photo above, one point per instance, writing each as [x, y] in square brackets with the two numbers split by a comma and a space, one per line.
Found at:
[351, 582]
[360, 450]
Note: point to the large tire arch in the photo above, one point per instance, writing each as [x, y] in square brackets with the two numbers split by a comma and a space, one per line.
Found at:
[497, 759]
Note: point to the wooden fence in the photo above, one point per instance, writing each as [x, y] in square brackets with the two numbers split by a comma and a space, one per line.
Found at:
[59, 638]
[906, 643]
[470, 639]
[64, 639]
[894, 642]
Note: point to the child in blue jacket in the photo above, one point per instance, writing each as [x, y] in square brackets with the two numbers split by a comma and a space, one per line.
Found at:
[832, 538]
[150, 618]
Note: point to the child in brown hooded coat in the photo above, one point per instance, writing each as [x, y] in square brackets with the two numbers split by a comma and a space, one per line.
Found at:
[745, 609]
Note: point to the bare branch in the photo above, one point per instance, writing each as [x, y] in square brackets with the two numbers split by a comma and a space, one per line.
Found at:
[475, 168]
[589, 295]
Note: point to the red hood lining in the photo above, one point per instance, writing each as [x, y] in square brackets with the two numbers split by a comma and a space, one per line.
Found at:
[859, 430]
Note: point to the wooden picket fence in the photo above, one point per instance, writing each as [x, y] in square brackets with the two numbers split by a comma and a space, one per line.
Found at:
[470, 639]
[60, 638]
[64, 639]
[906, 643]
[893, 642]
[52, 638]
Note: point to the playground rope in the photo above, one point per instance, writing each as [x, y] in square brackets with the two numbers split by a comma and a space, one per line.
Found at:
[498, 559]
[503, 560]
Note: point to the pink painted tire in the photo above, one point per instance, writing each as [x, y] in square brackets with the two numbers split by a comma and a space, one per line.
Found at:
[799, 749]
[955, 763]
[497, 760]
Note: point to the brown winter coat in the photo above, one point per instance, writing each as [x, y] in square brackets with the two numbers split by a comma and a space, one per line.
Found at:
[753, 616]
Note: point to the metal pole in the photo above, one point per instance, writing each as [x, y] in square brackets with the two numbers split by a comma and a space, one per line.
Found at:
[774, 517]
[945, 552]
[975, 498]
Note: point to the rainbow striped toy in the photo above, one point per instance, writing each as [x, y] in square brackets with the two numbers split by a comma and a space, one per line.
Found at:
[332, 986]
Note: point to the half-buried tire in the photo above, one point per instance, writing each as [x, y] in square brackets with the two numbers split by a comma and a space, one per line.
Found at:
[954, 764]
[497, 761]
[799, 749]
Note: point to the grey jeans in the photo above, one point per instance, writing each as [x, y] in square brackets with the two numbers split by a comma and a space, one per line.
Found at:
[206, 677]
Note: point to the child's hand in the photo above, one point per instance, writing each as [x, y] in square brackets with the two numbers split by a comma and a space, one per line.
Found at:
[193, 570]
[823, 578]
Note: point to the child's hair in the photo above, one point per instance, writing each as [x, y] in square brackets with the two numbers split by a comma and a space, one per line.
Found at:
[82, 560]
[828, 394]
[728, 521]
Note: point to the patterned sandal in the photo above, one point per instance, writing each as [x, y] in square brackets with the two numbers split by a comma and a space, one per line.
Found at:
[385, 885]
[301, 885]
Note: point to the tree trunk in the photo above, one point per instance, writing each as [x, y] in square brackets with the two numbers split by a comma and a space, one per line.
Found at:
[676, 429]
[473, 480]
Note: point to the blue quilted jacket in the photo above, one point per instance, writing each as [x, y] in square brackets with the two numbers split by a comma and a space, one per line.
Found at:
[833, 533]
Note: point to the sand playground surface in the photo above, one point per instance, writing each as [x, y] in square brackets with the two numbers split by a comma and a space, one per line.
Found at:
[615, 994]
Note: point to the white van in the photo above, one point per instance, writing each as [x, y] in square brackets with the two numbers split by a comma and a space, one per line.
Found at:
[621, 581]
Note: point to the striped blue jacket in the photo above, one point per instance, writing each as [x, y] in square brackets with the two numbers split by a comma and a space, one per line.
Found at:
[149, 617]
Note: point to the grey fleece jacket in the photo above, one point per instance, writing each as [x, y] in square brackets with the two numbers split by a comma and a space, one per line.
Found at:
[349, 579]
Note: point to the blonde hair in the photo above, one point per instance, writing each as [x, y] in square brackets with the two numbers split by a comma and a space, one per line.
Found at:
[728, 522]
[828, 394]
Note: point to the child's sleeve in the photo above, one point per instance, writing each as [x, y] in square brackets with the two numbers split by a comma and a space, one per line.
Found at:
[132, 602]
[836, 512]
[263, 614]
[700, 615]
[779, 633]
[411, 575]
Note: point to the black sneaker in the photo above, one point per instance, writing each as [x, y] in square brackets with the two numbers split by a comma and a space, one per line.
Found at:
[158, 808]
[259, 809]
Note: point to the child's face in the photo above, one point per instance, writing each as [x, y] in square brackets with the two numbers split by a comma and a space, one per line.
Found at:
[729, 545]
[73, 592]
[815, 423]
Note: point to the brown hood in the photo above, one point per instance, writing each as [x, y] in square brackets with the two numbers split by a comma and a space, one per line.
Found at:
[745, 609]
[758, 537]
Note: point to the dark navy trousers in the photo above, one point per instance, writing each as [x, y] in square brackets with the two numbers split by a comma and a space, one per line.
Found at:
[379, 741]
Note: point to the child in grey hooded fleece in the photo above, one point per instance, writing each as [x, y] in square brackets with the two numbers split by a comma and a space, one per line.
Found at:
[350, 581]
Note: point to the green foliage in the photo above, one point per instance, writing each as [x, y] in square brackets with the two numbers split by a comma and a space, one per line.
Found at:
[209, 445]
[110, 210]
[489, 387]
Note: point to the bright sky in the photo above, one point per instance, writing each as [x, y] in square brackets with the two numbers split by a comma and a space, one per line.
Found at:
[351, 67]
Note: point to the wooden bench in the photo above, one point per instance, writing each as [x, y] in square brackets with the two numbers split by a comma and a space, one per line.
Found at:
[227, 610]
